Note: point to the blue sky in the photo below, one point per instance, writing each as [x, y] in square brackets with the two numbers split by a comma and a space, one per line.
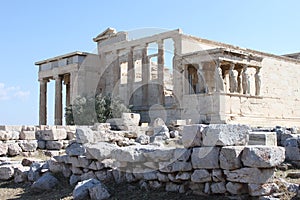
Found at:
[34, 30]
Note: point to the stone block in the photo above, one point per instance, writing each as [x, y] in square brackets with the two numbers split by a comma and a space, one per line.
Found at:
[54, 166]
[34, 171]
[131, 119]
[52, 134]
[10, 128]
[263, 156]
[218, 175]
[5, 135]
[6, 172]
[225, 135]
[159, 154]
[128, 154]
[21, 174]
[14, 149]
[182, 154]
[262, 189]
[98, 191]
[177, 166]
[75, 149]
[183, 176]
[74, 179]
[99, 151]
[3, 149]
[143, 139]
[27, 135]
[41, 144]
[192, 135]
[201, 176]
[54, 145]
[172, 187]
[84, 135]
[292, 153]
[263, 138]
[87, 175]
[101, 127]
[230, 157]
[237, 188]
[205, 157]
[28, 145]
[218, 188]
[46, 183]
[81, 190]
[250, 175]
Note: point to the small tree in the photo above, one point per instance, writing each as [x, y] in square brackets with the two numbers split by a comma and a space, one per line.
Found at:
[89, 110]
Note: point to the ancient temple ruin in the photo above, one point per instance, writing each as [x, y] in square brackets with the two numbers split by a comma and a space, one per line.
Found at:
[177, 76]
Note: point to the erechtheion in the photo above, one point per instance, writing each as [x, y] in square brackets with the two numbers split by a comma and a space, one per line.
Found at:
[179, 76]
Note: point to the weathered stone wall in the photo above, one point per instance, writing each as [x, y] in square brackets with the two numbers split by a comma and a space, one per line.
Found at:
[212, 159]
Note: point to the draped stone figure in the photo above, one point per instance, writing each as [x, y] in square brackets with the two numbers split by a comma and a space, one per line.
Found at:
[232, 80]
[257, 77]
[201, 80]
[245, 81]
[218, 78]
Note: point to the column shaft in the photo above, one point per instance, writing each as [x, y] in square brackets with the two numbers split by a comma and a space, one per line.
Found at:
[43, 102]
[58, 101]
[160, 72]
[130, 76]
[145, 75]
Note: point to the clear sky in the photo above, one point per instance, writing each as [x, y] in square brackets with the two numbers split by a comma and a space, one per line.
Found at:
[34, 30]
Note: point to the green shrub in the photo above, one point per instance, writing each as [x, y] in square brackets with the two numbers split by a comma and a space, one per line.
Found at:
[90, 110]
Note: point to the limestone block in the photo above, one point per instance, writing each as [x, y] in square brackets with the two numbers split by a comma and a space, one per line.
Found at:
[162, 177]
[182, 154]
[262, 189]
[5, 135]
[155, 184]
[81, 190]
[150, 175]
[28, 145]
[15, 135]
[34, 171]
[21, 174]
[87, 175]
[192, 135]
[41, 144]
[205, 157]
[183, 176]
[54, 166]
[230, 157]
[237, 188]
[177, 166]
[250, 175]
[290, 142]
[263, 138]
[98, 192]
[292, 153]
[128, 154]
[11, 128]
[131, 119]
[159, 154]
[14, 149]
[74, 179]
[76, 170]
[201, 176]
[218, 188]
[218, 175]
[225, 135]
[45, 183]
[101, 127]
[143, 139]
[263, 156]
[84, 135]
[52, 134]
[197, 188]
[66, 171]
[3, 149]
[99, 151]
[172, 187]
[54, 145]
[75, 149]
[27, 135]
[6, 172]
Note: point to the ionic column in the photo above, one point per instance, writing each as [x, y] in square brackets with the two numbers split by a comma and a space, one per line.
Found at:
[245, 80]
[145, 75]
[43, 102]
[73, 85]
[58, 101]
[130, 75]
[160, 72]
[257, 77]
[232, 79]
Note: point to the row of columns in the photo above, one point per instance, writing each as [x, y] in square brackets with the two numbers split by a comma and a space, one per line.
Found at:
[146, 72]
[58, 107]
[241, 83]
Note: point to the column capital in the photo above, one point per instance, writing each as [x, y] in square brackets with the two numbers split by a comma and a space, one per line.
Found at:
[43, 80]
[57, 76]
